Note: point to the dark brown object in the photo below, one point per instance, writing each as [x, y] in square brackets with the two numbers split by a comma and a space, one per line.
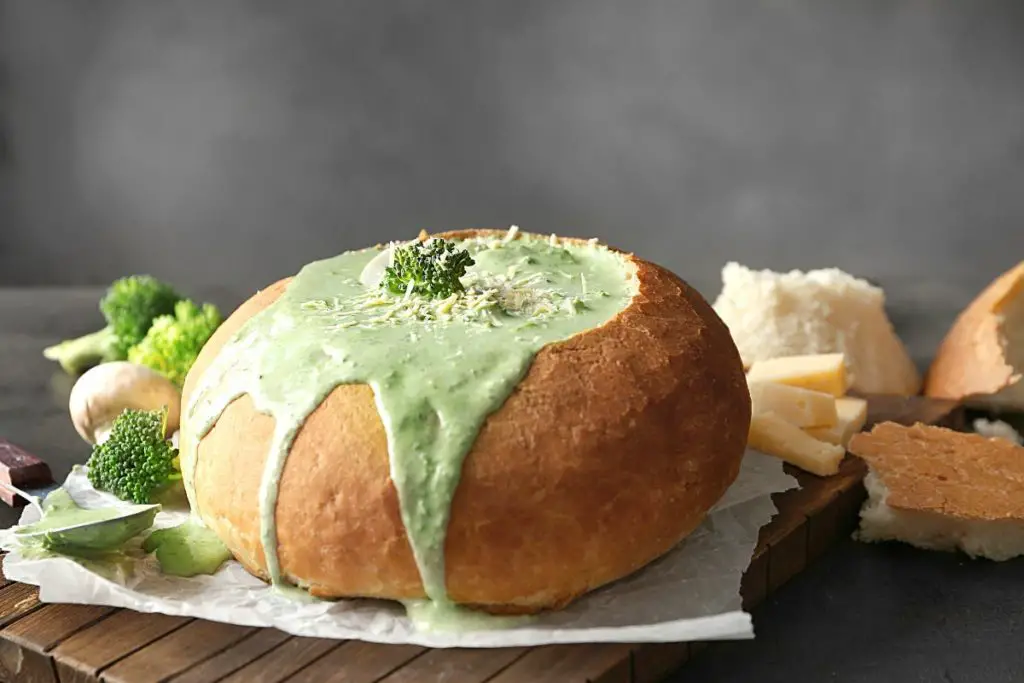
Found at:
[20, 468]
[81, 644]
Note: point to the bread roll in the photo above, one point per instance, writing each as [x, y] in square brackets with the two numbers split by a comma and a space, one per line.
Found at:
[608, 453]
[982, 356]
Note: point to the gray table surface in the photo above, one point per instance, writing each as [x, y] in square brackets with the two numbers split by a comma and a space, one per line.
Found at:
[860, 614]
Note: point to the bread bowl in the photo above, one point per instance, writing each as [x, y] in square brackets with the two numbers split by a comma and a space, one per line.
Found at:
[981, 358]
[600, 447]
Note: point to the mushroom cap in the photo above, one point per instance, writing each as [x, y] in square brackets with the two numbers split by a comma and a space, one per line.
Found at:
[107, 390]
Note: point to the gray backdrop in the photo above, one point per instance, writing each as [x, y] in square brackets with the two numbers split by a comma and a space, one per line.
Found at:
[223, 144]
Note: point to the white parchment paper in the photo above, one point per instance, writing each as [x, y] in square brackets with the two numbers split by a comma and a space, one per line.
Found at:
[690, 594]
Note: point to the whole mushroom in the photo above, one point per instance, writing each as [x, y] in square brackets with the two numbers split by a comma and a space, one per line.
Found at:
[107, 390]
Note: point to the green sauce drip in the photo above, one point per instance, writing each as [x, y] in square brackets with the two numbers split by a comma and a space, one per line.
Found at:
[438, 369]
[187, 549]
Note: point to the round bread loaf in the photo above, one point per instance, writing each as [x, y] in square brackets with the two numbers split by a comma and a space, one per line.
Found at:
[607, 454]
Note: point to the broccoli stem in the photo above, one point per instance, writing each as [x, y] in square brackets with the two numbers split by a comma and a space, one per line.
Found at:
[78, 355]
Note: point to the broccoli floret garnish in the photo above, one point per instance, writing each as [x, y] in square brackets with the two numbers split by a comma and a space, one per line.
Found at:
[431, 269]
[136, 462]
[129, 306]
[174, 341]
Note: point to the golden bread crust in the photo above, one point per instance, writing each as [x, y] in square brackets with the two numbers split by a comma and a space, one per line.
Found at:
[609, 452]
[970, 360]
[934, 469]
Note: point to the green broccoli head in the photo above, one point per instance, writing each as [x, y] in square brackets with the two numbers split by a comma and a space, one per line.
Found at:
[174, 341]
[136, 462]
[431, 269]
[132, 304]
[129, 306]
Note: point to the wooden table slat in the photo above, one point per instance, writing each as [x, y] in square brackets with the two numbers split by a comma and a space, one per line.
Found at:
[234, 657]
[284, 660]
[589, 663]
[17, 600]
[357, 662]
[176, 652]
[24, 665]
[46, 627]
[91, 650]
[461, 665]
[653, 661]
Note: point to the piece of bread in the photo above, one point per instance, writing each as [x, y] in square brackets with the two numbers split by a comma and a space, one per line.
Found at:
[981, 358]
[771, 315]
[938, 489]
[609, 452]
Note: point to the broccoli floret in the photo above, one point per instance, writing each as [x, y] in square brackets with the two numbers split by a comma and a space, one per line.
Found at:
[129, 306]
[132, 303]
[136, 462]
[174, 341]
[430, 269]
[78, 355]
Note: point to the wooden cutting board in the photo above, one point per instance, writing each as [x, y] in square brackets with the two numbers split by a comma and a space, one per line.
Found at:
[45, 643]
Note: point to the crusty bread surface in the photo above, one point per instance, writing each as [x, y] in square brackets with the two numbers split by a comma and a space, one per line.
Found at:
[608, 453]
[939, 470]
[939, 489]
[982, 356]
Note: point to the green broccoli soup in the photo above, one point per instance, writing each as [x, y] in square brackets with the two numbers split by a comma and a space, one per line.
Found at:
[441, 331]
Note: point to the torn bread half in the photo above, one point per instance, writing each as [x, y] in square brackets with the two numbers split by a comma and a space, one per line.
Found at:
[771, 315]
[938, 489]
[981, 358]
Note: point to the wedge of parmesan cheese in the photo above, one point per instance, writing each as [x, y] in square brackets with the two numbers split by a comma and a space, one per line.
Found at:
[821, 372]
[801, 407]
[852, 414]
[771, 434]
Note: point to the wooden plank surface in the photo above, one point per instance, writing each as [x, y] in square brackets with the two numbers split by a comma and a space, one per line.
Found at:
[179, 650]
[653, 661]
[462, 665]
[284, 660]
[233, 658]
[45, 628]
[17, 600]
[358, 662]
[85, 654]
[84, 644]
[593, 663]
[24, 665]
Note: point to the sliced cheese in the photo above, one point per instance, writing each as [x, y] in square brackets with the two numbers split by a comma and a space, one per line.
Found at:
[771, 434]
[823, 372]
[852, 414]
[802, 407]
